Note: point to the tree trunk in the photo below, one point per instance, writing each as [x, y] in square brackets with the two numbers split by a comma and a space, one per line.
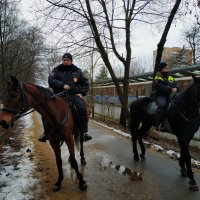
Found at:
[124, 116]
[165, 33]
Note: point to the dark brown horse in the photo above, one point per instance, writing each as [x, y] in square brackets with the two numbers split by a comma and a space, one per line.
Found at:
[184, 119]
[57, 115]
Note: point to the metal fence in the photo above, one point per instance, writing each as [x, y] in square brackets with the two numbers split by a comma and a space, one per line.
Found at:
[109, 108]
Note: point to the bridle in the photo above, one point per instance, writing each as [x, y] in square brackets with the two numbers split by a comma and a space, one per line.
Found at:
[25, 109]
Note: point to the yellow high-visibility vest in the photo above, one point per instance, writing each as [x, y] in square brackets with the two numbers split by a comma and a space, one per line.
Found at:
[169, 78]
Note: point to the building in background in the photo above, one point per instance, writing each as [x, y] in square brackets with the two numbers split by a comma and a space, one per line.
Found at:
[175, 56]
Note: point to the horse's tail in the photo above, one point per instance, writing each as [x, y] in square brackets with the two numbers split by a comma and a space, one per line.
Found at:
[76, 125]
[138, 112]
[133, 118]
[77, 137]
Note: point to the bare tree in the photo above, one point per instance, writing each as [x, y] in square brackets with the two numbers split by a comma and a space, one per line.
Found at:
[140, 65]
[20, 44]
[110, 22]
[189, 8]
[110, 25]
[92, 63]
[165, 33]
[191, 38]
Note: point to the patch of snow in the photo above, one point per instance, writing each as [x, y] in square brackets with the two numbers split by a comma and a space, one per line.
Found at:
[196, 162]
[172, 154]
[157, 147]
[114, 130]
[16, 179]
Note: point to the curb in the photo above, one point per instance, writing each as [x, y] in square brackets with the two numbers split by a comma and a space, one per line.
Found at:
[166, 135]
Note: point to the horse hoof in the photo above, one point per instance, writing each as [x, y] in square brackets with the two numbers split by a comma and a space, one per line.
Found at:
[136, 158]
[83, 186]
[142, 156]
[193, 186]
[56, 188]
[183, 172]
[83, 161]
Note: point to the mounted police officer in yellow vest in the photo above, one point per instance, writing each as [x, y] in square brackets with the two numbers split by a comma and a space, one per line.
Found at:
[164, 86]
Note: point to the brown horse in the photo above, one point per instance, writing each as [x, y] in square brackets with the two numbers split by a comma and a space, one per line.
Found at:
[57, 116]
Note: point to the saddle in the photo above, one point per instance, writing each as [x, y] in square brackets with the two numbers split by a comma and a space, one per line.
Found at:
[152, 107]
[151, 110]
[78, 122]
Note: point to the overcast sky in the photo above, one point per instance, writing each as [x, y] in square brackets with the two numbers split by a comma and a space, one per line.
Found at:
[145, 41]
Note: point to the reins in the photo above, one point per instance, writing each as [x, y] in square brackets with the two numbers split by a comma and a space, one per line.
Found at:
[182, 115]
[25, 111]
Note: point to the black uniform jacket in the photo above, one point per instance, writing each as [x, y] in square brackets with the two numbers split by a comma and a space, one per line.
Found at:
[68, 75]
[163, 84]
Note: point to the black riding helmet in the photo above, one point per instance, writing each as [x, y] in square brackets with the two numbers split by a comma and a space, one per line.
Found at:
[162, 65]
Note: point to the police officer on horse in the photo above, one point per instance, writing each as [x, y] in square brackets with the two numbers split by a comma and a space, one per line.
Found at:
[68, 76]
[164, 86]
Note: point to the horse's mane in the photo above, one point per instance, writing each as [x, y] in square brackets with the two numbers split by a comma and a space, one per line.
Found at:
[186, 92]
[186, 98]
[46, 91]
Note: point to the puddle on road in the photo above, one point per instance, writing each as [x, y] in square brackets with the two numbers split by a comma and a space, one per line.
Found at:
[134, 176]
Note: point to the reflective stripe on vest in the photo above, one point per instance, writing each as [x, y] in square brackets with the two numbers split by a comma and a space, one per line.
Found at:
[169, 78]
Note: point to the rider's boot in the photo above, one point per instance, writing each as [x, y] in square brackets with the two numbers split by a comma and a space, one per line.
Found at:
[44, 137]
[87, 137]
[85, 128]
[160, 121]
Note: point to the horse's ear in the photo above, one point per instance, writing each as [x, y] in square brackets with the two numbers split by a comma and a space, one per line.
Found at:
[14, 81]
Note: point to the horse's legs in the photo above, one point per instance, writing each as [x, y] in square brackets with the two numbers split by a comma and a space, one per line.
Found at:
[185, 155]
[57, 151]
[135, 151]
[83, 161]
[143, 129]
[82, 183]
[142, 155]
[182, 165]
[134, 126]
[70, 143]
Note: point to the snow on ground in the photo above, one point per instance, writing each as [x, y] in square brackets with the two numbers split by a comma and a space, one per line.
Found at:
[16, 180]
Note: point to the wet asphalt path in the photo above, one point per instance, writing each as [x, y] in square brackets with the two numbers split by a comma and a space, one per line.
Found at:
[111, 172]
